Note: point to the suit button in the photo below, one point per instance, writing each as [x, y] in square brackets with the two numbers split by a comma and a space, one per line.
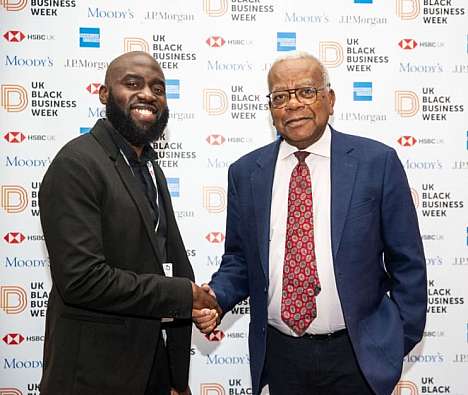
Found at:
[265, 290]
[263, 330]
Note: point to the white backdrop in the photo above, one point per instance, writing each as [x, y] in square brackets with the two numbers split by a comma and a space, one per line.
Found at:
[399, 69]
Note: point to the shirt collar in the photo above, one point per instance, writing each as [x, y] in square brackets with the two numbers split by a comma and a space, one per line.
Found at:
[147, 154]
[321, 147]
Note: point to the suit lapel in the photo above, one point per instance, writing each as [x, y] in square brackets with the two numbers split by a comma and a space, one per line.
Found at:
[343, 174]
[262, 184]
[101, 134]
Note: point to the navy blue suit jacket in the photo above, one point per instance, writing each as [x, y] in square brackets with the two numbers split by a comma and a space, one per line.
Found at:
[377, 251]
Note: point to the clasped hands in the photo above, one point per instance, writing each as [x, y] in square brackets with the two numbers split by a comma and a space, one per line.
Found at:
[206, 313]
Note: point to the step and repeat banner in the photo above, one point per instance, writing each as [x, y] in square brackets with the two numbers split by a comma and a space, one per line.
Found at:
[400, 72]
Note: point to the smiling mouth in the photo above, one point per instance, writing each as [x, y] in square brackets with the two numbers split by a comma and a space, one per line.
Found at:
[144, 112]
[298, 121]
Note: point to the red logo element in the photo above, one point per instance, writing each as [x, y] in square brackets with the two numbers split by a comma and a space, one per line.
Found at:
[215, 41]
[215, 336]
[215, 139]
[14, 36]
[14, 137]
[215, 237]
[13, 339]
[14, 237]
[407, 141]
[408, 43]
[93, 88]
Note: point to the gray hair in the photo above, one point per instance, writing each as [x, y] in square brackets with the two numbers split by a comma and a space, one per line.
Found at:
[302, 55]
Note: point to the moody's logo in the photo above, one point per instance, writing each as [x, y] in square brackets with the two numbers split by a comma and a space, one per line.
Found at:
[362, 91]
[174, 186]
[90, 37]
[173, 89]
[14, 36]
[286, 41]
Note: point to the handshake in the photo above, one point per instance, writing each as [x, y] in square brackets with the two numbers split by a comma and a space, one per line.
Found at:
[206, 313]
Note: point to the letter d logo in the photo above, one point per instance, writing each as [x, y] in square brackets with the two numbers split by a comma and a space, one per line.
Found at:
[406, 103]
[331, 53]
[407, 9]
[212, 389]
[135, 44]
[14, 98]
[406, 388]
[13, 198]
[13, 299]
[214, 199]
[215, 101]
[12, 5]
[215, 7]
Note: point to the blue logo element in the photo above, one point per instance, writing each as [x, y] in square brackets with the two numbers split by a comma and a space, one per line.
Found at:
[89, 37]
[467, 139]
[84, 130]
[285, 41]
[362, 91]
[363, 1]
[174, 186]
[173, 89]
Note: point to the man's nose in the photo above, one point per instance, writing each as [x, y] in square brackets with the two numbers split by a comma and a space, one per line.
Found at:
[147, 93]
[293, 101]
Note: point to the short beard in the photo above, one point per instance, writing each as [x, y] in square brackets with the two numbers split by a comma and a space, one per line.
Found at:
[125, 125]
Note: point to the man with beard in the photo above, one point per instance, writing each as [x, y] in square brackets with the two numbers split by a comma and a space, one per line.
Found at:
[120, 308]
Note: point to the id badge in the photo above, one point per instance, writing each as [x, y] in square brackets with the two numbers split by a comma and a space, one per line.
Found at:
[168, 269]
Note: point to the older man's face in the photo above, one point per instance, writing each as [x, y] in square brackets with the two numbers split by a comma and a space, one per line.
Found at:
[300, 124]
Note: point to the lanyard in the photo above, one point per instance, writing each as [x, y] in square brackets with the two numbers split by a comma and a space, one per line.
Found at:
[149, 164]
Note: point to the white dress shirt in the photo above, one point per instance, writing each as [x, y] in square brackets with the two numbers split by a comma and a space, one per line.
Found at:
[329, 313]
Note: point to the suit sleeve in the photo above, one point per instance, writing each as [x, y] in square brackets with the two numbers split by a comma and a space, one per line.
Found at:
[230, 283]
[403, 253]
[70, 206]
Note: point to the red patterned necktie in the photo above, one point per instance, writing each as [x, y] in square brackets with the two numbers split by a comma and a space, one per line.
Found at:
[300, 278]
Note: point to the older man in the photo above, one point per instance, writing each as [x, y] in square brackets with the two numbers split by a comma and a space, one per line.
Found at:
[322, 235]
[119, 266]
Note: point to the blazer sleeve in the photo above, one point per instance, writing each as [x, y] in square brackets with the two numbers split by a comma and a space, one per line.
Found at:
[231, 282]
[403, 253]
[70, 206]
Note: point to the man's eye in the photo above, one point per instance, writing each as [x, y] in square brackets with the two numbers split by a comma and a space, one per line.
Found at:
[158, 91]
[307, 92]
[279, 97]
[131, 84]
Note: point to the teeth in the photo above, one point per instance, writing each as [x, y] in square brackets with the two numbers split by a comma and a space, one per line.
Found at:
[144, 111]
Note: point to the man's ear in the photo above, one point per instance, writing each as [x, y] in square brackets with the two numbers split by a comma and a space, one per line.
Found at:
[103, 94]
[332, 99]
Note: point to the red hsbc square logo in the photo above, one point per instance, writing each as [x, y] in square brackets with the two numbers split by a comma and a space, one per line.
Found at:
[407, 141]
[14, 237]
[93, 88]
[215, 237]
[215, 41]
[14, 36]
[215, 139]
[408, 43]
[13, 339]
[215, 336]
[14, 137]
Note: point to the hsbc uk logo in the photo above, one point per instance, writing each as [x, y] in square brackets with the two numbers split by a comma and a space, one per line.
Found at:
[406, 141]
[13, 339]
[215, 336]
[215, 139]
[410, 141]
[215, 41]
[407, 43]
[14, 238]
[93, 88]
[215, 237]
[14, 137]
[14, 36]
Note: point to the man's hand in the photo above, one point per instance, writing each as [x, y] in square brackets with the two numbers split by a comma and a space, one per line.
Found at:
[207, 320]
[203, 299]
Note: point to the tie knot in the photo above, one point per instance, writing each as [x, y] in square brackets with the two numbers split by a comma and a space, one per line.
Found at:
[301, 155]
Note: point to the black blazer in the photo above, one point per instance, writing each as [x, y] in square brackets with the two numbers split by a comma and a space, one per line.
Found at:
[109, 290]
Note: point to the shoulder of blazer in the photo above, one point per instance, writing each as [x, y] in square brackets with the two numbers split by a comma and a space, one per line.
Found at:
[101, 133]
